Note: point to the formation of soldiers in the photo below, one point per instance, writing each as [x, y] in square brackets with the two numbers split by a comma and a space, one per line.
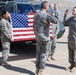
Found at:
[45, 46]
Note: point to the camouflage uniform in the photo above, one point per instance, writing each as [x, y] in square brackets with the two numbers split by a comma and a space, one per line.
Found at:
[41, 28]
[6, 36]
[71, 39]
[55, 30]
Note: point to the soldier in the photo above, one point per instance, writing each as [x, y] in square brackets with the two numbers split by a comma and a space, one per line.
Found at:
[71, 22]
[41, 28]
[6, 37]
[55, 30]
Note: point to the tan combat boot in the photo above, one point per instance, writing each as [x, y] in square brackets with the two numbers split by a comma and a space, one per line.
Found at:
[4, 63]
[70, 68]
[49, 58]
[41, 72]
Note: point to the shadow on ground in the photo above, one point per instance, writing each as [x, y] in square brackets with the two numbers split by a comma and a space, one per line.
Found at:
[20, 70]
[55, 66]
[63, 42]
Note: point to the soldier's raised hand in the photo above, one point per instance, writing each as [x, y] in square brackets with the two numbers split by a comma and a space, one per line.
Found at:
[55, 7]
[66, 12]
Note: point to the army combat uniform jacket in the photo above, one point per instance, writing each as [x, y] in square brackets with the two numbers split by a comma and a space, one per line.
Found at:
[6, 30]
[42, 25]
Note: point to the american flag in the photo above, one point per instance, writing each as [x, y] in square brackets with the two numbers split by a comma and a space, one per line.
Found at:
[22, 27]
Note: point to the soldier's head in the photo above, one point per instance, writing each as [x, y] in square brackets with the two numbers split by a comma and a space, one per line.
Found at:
[5, 14]
[74, 11]
[45, 5]
[55, 7]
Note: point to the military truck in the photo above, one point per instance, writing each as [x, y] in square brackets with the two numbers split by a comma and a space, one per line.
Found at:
[22, 27]
[21, 8]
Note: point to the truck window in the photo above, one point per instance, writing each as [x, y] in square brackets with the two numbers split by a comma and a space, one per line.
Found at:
[9, 8]
[2, 7]
[24, 8]
[37, 7]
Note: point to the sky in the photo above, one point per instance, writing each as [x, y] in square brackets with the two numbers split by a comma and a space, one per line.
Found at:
[27, 0]
[73, 1]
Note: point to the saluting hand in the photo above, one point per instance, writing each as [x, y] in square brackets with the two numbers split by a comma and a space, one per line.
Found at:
[66, 12]
[55, 7]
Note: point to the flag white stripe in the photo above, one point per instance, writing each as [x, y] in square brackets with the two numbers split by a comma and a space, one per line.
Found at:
[30, 20]
[31, 28]
[32, 36]
[30, 16]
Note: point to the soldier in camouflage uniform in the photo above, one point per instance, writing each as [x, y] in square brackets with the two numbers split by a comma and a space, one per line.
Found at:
[6, 37]
[55, 30]
[71, 38]
[41, 28]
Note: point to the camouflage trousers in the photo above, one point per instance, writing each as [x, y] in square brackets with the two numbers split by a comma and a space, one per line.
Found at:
[53, 45]
[72, 51]
[6, 49]
[42, 51]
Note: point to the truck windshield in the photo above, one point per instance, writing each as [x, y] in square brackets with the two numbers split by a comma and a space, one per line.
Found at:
[24, 8]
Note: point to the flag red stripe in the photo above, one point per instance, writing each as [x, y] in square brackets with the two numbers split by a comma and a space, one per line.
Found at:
[30, 22]
[24, 30]
[22, 35]
[50, 28]
[26, 39]
[50, 32]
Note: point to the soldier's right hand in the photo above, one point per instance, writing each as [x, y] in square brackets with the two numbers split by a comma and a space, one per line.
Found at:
[66, 12]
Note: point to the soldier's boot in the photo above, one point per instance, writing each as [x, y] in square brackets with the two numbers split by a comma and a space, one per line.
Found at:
[49, 58]
[69, 68]
[4, 63]
[37, 70]
[40, 72]
[73, 69]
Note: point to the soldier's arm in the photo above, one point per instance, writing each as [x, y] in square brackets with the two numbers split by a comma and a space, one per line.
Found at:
[65, 20]
[52, 19]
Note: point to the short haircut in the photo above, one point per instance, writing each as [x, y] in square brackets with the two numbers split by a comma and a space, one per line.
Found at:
[74, 7]
[44, 4]
[3, 12]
